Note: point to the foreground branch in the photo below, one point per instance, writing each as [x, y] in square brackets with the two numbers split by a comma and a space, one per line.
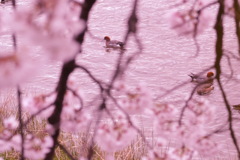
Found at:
[54, 119]
[20, 122]
[219, 53]
[67, 69]
[237, 21]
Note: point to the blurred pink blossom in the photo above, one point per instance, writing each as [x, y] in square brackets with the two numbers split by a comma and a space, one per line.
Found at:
[52, 30]
[190, 21]
[74, 118]
[134, 100]
[17, 67]
[10, 123]
[36, 148]
[115, 135]
[40, 103]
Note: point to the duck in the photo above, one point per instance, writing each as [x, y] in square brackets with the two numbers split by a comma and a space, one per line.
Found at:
[113, 43]
[198, 79]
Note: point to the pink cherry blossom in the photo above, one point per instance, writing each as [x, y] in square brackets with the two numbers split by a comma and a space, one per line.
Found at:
[17, 67]
[37, 148]
[115, 135]
[187, 22]
[182, 153]
[74, 118]
[74, 121]
[165, 119]
[41, 103]
[10, 123]
[155, 155]
[198, 116]
[5, 146]
[205, 146]
[54, 37]
[73, 85]
[134, 100]
[16, 142]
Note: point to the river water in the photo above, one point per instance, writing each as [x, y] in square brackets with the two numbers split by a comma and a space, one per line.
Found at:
[166, 61]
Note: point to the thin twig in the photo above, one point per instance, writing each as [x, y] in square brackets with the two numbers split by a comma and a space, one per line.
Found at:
[78, 96]
[230, 66]
[21, 126]
[186, 104]
[91, 76]
[130, 121]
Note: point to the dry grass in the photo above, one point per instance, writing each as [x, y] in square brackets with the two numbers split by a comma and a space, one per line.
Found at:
[76, 144]
[79, 144]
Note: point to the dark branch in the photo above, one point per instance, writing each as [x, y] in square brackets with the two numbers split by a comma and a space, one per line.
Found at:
[132, 28]
[67, 69]
[219, 53]
[91, 76]
[54, 119]
[237, 21]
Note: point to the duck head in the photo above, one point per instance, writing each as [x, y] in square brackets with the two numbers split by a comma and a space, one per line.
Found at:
[210, 74]
[106, 38]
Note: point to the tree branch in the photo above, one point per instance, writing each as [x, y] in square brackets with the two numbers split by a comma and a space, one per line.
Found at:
[219, 53]
[20, 123]
[67, 69]
[237, 21]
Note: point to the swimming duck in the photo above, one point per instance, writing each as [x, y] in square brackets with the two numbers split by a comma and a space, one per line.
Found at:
[113, 43]
[198, 79]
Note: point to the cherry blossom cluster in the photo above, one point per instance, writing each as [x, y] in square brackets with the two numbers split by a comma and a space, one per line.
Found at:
[17, 67]
[35, 147]
[191, 20]
[133, 99]
[52, 26]
[41, 105]
[191, 133]
[115, 135]
[74, 118]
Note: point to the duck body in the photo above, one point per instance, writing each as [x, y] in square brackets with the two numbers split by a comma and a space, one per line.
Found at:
[199, 79]
[113, 43]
